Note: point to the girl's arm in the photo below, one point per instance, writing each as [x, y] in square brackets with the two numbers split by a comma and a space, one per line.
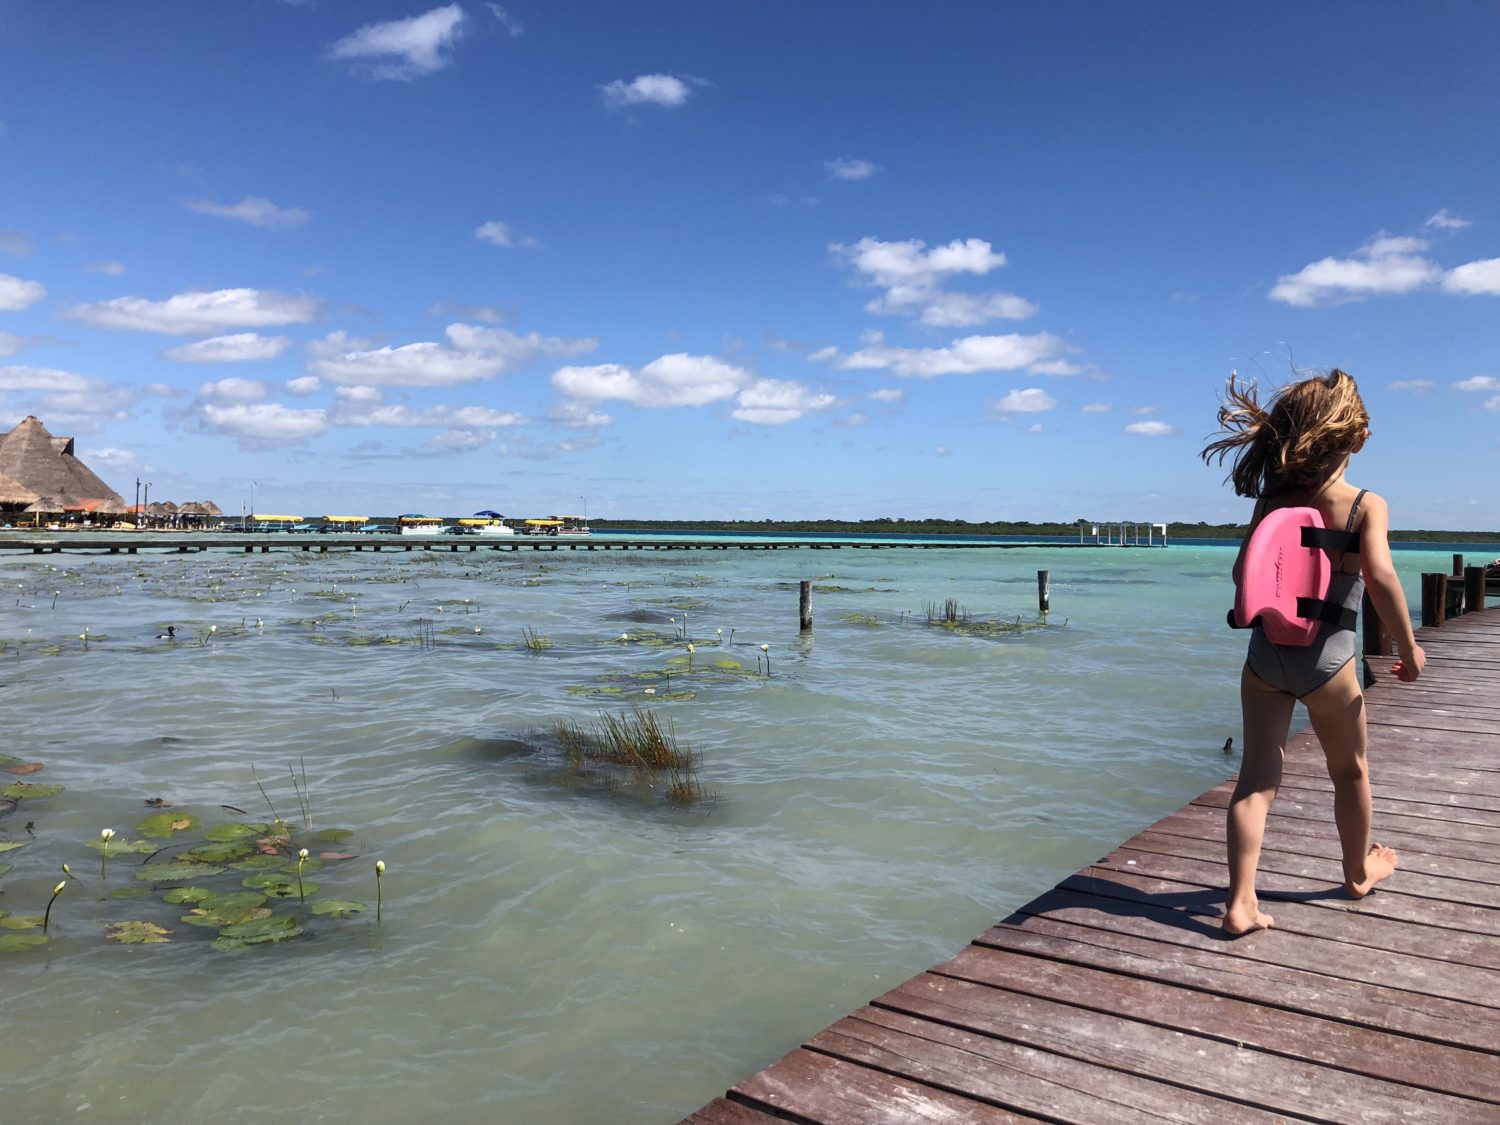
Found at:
[1239, 559]
[1385, 587]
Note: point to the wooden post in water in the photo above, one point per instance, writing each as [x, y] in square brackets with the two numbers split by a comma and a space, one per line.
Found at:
[1379, 640]
[804, 606]
[1473, 589]
[1043, 591]
[1458, 565]
[1434, 599]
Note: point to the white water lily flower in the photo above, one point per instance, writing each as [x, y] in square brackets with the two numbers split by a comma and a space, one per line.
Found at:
[57, 890]
[650, 691]
[380, 867]
[691, 649]
[302, 854]
[765, 648]
[106, 834]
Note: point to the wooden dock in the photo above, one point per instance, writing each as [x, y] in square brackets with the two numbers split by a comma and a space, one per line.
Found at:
[193, 542]
[1114, 998]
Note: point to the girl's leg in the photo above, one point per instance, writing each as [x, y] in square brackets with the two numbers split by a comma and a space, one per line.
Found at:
[1337, 710]
[1268, 715]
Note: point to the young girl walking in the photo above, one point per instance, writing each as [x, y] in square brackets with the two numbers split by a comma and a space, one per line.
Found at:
[1294, 452]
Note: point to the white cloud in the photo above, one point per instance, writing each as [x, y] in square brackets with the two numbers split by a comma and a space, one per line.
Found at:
[1059, 367]
[671, 380]
[199, 313]
[108, 268]
[10, 343]
[780, 199]
[1034, 428]
[966, 356]
[858, 418]
[497, 233]
[118, 459]
[459, 441]
[847, 168]
[265, 424]
[1444, 221]
[1145, 410]
[912, 277]
[1475, 278]
[1097, 407]
[1415, 386]
[42, 379]
[254, 210]
[775, 402]
[941, 450]
[578, 415]
[305, 385]
[1151, 429]
[513, 26]
[233, 390]
[238, 348]
[887, 394]
[1032, 400]
[403, 49]
[1478, 383]
[17, 293]
[646, 89]
[1384, 265]
[1492, 404]
[15, 242]
[471, 354]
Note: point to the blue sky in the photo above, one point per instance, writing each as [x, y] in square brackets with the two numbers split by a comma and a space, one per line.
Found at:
[745, 260]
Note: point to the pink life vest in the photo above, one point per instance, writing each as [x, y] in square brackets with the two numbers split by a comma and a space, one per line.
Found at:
[1284, 576]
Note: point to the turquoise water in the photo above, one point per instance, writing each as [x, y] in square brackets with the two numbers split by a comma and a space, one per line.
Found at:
[550, 952]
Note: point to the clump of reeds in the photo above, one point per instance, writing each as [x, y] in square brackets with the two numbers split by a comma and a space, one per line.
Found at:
[534, 641]
[635, 742]
[950, 613]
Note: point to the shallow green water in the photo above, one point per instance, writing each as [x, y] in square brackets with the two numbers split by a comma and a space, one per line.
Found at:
[551, 953]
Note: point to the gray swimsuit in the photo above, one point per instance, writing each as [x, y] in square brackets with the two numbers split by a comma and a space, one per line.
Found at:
[1303, 669]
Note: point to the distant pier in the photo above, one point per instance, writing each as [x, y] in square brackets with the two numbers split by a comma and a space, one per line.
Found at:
[190, 542]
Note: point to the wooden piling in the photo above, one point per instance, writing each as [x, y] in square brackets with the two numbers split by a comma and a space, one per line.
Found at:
[1458, 565]
[804, 606]
[1044, 591]
[1473, 589]
[1434, 599]
[1378, 638]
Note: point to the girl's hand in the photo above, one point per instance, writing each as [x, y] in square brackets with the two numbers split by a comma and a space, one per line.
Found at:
[1408, 668]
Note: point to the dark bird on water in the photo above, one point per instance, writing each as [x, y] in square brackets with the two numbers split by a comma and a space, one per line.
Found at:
[1229, 745]
[169, 635]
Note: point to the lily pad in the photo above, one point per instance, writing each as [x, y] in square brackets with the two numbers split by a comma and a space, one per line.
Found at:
[177, 872]
[276, 927]
[137, 933]
[230, 833]
[278, 884]
[260, 863]
[228, 909]
[163, 825]
[178, 895]
[25, 790]
[330, 835]
[16, 942]
[119, 846]
[11, 845]
[728, 664]
[338, 908]
[221, 853]
[20, 768]
[129, 892]
[19, 921]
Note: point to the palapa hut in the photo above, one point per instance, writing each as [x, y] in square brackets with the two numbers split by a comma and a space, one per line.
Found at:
[36, 466]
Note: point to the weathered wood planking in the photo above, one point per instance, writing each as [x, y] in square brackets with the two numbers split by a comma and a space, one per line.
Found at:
[1114, 996]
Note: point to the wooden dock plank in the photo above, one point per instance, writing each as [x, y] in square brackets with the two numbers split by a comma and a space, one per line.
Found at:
[1116, 996]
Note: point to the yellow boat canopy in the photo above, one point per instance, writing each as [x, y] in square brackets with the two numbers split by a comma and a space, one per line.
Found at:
[278, 519]
[470, 522]
[346, 519]
[554, 522]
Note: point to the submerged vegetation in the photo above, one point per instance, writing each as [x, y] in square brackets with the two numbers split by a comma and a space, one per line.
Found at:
[241, 882]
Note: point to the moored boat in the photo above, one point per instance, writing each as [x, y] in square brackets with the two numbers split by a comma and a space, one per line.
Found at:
[412, 524]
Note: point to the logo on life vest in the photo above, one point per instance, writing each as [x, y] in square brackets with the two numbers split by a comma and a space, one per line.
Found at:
[1280, 553]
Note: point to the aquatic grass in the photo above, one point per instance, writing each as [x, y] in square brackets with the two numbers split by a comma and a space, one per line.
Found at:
[636, 743]
[535, 642]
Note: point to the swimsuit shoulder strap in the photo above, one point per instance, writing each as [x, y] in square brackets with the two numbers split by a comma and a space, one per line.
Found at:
[1354, 509]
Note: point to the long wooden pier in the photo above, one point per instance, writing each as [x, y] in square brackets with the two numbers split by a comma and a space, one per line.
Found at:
[1114, 998]
[192, 542]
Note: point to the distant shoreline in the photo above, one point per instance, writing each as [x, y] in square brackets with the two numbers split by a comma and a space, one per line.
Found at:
[963, 527]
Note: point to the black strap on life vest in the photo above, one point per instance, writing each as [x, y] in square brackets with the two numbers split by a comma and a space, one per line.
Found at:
[1345, 542]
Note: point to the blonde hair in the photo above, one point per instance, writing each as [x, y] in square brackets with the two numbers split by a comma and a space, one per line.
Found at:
[1295, 443]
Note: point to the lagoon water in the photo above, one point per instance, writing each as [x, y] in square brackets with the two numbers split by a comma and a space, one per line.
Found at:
[552, 952]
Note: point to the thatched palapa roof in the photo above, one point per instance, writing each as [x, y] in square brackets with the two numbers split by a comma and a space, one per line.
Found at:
[33, 461]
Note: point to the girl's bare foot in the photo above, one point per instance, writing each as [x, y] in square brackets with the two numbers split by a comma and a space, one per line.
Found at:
[1242, 920]
[1380, 864]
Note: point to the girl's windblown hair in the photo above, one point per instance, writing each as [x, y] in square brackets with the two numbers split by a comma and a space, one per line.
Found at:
[1294, 443]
